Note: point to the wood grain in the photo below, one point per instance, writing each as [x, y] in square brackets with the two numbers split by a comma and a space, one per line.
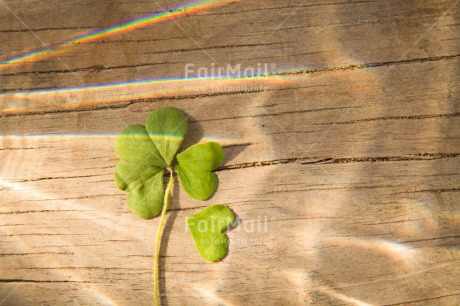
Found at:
[342, 165]
[283, 34]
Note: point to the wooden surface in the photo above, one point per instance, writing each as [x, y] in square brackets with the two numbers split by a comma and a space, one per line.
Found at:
[342, 164]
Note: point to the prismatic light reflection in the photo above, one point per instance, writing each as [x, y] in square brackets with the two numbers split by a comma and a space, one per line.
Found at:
[149, 89]
[59, 48]
[31, 139]
[73, 97]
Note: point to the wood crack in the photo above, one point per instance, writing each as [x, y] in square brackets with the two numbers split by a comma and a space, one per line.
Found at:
[18, 280]
[80, 268]
[302, 161]
[41, 211]
[423, 300]
[99, 68]
[280, 113]
[330, 160]
[371, 65]
[37, 253]
[300, 218]
[431, 239]
[44, 234]
[416, 117]
[47, 29]
[328, 189]
[24, 148]
[289, 7]
[57, 178]
[438, 191]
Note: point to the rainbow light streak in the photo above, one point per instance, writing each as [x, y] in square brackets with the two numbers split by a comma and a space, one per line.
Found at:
[62, 137]
[159, 81]
[58, 48]
[73, 97]
[159, 137]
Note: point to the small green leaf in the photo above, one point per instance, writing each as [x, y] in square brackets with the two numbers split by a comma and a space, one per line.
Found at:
[144, 185]
[194, 166]
[167, 127]
[133, 145]
[207, 226]
[128, 175]
[146, 199]
[140, 172]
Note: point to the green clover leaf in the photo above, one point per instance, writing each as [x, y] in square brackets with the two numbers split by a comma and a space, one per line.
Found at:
[144, 185]
[194, 166]
[166, 127]
[145, 153]
[207, 226]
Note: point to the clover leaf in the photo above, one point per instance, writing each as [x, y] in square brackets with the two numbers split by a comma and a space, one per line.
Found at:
[146, 152]
[207, 226]
[166, 127]
[194, 166]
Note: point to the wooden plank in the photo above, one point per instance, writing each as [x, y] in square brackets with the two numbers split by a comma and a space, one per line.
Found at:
[312, 117]
[343, 165]
[366, 82]
[308, 35]
[308, 232]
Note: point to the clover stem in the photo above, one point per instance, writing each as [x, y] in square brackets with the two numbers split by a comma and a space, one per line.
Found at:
[156, 285]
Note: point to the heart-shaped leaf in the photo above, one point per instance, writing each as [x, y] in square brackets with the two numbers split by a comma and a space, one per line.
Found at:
[167, 127]
[194, 166]
[146, 199]
[207, 226]
[134, 146]
[144, 185]
[127, 175]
